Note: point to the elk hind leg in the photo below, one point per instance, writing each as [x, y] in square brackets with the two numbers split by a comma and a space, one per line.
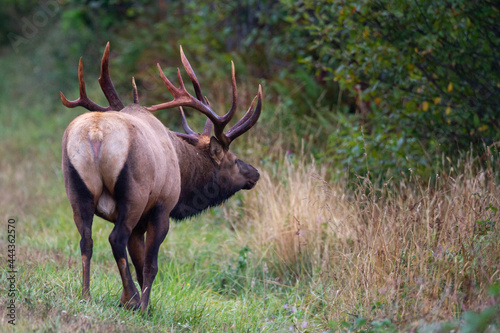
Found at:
[129, 214]
[136, 248]
[157, 230]
[118, 240]
[82, 203]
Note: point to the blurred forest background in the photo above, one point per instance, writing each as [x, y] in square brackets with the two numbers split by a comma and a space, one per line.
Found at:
[377, 207]
[377, 85]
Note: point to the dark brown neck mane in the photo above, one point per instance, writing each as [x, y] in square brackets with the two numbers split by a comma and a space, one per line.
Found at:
[201, 187]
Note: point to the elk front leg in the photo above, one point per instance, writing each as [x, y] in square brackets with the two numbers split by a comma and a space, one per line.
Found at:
[157, 230]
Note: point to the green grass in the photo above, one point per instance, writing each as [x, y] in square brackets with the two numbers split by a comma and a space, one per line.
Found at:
[180, 301]
[294, 254]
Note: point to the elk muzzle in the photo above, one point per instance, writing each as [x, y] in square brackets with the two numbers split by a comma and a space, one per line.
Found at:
[250, 173]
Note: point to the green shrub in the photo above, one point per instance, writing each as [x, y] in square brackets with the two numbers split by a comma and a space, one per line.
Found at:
[431, 67]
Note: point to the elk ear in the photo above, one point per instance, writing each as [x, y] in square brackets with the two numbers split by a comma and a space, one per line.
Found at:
[216, 150]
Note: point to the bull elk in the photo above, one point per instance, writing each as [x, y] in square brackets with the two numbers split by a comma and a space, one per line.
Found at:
[122, 164]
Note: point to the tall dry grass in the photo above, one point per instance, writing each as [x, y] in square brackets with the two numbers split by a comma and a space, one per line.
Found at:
[405, 250]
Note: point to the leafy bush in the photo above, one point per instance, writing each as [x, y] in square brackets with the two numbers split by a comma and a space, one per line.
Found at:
[430, 67]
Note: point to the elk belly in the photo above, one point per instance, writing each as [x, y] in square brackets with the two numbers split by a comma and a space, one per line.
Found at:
[106, 206]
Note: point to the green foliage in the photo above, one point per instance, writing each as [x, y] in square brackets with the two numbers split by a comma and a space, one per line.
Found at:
[487, 225]
[233, 279]
[13, 16]
[431, 67]
[363, 149]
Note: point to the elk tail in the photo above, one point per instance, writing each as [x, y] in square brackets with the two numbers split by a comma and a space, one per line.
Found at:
[95, 140]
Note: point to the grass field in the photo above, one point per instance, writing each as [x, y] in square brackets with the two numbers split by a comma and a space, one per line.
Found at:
[297, 253]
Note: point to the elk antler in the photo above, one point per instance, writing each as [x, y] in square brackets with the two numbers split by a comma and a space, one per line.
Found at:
[206, 130]
[106, 86]
[183, 98]
[190, 135]
[185, 125]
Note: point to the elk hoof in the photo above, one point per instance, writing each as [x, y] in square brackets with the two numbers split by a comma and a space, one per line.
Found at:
[130, 304]
[85, 298]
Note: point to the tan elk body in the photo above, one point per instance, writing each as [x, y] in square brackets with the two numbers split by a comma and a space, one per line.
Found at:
[122, 164]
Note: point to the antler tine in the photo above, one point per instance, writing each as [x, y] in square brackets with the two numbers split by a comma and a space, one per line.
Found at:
[185, 125]
[229, 115]
[181, 83]
[248, 120]
[245, 117]
[208, 127]
[190, 135]
[197, 89]
[192, 76]
[107, 85]
[83, 100]
[136, 95]
[167, 82]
